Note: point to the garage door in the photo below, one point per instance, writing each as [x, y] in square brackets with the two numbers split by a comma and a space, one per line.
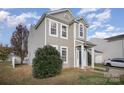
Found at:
[98, 58]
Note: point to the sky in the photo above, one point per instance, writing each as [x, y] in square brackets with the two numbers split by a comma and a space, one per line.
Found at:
[103, 22]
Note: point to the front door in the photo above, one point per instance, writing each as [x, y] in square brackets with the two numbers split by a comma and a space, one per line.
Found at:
[78, 57]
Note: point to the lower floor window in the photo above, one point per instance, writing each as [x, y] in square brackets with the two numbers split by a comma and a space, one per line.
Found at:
[64, 53]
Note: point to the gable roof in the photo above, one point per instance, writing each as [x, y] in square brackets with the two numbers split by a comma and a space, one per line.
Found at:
[57, 11]
[115, 37]
[82, 19]
[61, 10]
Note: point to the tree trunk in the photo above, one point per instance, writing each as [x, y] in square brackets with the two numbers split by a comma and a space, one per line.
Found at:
[22, 59]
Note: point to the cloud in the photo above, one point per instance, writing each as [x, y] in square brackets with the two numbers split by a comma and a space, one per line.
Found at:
[12, 20]
[90, 16]
[99, 22]
[110, 28]
[86, 10]
[52, 9]
[96, 17]
[3, 15]
[104, 34]
[104, 15]
[96, 25]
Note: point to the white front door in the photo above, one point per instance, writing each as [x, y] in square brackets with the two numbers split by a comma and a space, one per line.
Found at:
[78, 58]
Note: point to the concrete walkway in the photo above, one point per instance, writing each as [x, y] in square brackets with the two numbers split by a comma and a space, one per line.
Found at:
[116, 72]
[112, 72]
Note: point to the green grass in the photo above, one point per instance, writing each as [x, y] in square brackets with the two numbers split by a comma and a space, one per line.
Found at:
[22, 74]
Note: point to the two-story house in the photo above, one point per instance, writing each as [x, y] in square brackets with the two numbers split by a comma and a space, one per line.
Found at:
[67, 34]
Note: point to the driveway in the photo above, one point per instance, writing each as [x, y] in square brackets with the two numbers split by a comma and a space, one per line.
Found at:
[115, 72]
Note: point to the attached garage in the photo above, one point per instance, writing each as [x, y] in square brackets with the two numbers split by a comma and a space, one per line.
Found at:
[98, 57]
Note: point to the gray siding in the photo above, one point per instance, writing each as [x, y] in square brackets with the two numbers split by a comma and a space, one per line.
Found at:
[61, 16]
[63, 42]
[113, 49]
[36, 40]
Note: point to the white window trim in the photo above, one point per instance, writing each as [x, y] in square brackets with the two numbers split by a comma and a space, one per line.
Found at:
[79, 31]
[50, 20]
[56, 46]
[66, 31]
[65, 62]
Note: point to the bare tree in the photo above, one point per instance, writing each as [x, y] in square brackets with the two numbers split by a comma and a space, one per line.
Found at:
[19, 41]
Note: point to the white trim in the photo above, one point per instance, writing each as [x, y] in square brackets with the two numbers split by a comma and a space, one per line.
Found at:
[79, 30]
[77, 58]
[74, 44]
[45, 31]
[56, 11]
[80, 41]
[65, 62]
[56, 46]
[66, 31]
[82, 58]
[50, 20]
[93, 57]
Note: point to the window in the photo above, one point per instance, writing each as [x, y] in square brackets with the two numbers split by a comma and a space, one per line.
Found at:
[81, 30]
[64, 31]
[53, 26]
[64, 54]
[115, 60]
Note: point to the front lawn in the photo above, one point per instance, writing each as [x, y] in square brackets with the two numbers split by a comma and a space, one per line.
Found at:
[22, 74]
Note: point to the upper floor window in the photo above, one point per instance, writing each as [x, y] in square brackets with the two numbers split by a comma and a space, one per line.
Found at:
[53, 26]
[64, 31]
[81, 30]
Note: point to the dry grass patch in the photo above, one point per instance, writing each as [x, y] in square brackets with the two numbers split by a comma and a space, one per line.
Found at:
[22, 74]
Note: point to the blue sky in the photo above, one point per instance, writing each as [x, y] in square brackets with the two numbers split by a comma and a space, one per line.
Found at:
[102, 22]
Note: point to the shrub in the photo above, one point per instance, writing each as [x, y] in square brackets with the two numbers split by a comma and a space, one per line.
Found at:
[122, 79]
[47, 62]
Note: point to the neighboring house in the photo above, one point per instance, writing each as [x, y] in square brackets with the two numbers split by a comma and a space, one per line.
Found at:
[112, 47]
[68, 35]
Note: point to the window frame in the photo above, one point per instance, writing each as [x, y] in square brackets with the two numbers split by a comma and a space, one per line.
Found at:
[61, 47]
[79, 30]
[62, 30]
[50, 22]
[56, 46]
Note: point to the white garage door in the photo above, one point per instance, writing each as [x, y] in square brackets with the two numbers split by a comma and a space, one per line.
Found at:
[98, 58]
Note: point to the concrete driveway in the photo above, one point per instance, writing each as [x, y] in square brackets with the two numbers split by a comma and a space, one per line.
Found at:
[115, 72]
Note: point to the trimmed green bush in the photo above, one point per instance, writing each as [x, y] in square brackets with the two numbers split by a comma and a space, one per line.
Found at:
[47, 62]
